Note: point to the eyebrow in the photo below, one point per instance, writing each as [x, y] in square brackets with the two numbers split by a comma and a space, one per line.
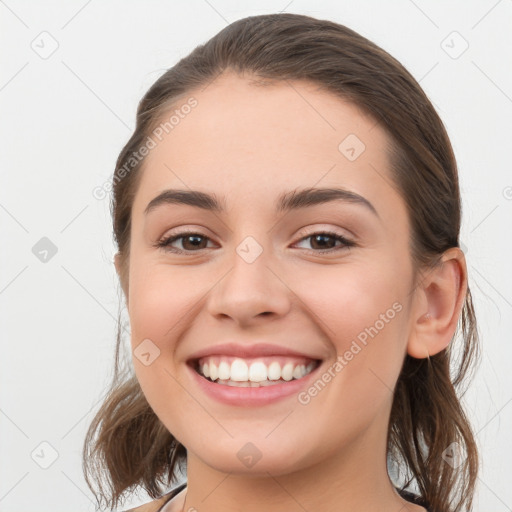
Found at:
[288, 201]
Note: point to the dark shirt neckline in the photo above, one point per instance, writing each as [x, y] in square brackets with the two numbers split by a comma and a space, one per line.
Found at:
[413, 498]
[406, 495]
[171, 495]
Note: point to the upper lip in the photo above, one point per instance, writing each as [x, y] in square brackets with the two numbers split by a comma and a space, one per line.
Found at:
[248, 351]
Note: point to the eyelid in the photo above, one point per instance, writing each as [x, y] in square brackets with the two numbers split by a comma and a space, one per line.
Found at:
[185, 230]
[193, 229]
[325, 228]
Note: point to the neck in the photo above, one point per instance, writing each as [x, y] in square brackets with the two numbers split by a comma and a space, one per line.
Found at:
[355, 478]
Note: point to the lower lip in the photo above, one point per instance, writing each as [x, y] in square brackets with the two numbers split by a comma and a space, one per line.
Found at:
[250, 397]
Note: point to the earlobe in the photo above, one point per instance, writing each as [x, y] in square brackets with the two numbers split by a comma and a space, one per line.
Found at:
[442, 294]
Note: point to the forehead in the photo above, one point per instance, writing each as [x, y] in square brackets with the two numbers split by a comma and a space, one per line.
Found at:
[250, 142]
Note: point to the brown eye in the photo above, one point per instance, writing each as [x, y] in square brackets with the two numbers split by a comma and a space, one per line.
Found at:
[190, 242]
[325, 241]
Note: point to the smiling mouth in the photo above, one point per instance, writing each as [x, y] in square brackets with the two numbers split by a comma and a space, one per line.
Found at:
[253, 372]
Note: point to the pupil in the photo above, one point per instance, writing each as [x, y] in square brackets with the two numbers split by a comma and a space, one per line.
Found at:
[322, 245]
[194, 243]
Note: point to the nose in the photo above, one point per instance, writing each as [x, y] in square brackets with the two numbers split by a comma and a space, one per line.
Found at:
[250, 292]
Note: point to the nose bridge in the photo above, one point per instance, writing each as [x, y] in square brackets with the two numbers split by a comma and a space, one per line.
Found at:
[251, 286]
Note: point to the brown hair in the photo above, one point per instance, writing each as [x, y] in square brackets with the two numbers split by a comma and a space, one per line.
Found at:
[126, 442]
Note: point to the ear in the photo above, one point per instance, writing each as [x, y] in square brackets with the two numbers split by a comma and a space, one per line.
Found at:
[121, 274]
[440, 297]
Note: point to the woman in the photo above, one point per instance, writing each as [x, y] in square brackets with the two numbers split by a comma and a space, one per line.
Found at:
[287, 215]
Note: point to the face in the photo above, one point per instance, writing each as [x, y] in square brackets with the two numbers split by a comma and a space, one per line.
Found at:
[322, 287]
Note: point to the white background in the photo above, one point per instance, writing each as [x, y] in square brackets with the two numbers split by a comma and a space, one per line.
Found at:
[64, 120]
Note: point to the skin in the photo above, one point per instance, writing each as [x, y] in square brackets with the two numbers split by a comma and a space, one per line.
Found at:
[250, 144]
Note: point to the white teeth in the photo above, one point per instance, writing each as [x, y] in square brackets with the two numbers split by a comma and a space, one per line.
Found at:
[224, 370]
[257, 372]
[242, 373]
[287, 371]
[297, 372]
[239, 370]
[244, 384]
[274, 371]
[213, 371]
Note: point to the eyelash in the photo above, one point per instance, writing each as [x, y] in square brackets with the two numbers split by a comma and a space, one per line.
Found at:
[165, 242]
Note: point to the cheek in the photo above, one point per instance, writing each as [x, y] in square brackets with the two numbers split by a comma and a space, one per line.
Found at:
[346, 300]
[161, 298]
[159, 304]
[361, 311]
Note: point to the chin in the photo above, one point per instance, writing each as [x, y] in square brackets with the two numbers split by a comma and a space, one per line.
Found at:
[253, 455]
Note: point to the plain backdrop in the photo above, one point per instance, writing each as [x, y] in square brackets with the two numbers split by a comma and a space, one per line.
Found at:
[71, 76]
